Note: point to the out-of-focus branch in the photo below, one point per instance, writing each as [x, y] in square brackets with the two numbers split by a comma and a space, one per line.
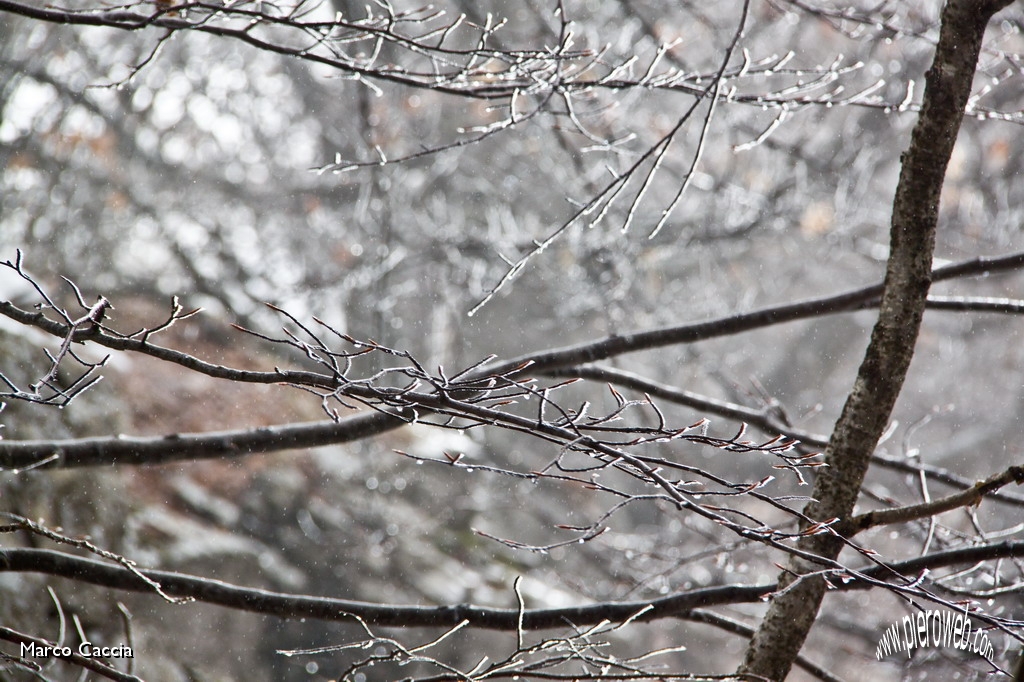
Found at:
[976, 304]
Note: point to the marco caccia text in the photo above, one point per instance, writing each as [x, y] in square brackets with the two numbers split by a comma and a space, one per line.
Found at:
[85, 649]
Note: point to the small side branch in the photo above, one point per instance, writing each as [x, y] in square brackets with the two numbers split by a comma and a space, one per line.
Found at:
[965, 498]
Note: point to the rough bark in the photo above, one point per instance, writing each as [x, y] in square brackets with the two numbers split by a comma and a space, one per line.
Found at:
[948, 85]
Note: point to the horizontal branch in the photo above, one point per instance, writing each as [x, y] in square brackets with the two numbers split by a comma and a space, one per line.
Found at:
[171, 19]
[856, 299]
[975, 304]
[324, 608]
[120, 449]
[542, 361]
[152, 450]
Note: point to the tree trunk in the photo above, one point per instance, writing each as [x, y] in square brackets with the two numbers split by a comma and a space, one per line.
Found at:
[948, 85]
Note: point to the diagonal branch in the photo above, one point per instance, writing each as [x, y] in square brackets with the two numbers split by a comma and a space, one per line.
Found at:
[964, 498]
[770, 423]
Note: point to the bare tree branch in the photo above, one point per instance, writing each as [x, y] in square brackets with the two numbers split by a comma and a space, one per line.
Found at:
[972, 496]
[678, 605]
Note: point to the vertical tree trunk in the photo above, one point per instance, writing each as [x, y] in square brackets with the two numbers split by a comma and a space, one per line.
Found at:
[864, 417]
